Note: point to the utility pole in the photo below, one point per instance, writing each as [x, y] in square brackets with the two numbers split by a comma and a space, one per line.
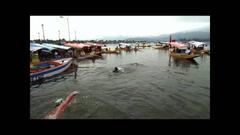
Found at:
[68, 29]
[43, 32]
[75, 36]
[59, 35]
[39, 36]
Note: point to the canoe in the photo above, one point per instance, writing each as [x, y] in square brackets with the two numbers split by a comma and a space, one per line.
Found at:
[184, 56]
[160, 47]
[117, 52]
[89, 57]
[49, 68]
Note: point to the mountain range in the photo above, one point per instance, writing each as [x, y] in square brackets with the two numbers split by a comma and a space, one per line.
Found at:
[200, 35]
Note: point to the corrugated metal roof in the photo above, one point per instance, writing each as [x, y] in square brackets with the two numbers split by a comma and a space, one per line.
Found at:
[197, 44]
[57, 46]
[34, 47]
[43, 46]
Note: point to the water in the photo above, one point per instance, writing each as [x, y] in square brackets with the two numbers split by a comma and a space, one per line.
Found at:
[152, 86]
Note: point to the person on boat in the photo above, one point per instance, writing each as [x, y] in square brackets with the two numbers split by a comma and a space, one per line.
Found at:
[56, 54]
[177, 50]
[188, 51]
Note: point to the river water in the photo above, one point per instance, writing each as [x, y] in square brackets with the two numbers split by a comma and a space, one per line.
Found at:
[152, 86]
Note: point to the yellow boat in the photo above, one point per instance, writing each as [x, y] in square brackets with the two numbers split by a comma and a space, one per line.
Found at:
[112, 51]
[184, 56]
[160, 47]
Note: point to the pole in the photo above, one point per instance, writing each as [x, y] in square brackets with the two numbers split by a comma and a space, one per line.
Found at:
[75, 36]
[43, 32]
[68, 29]
[39, 36]
[59, 35]
[76, 67]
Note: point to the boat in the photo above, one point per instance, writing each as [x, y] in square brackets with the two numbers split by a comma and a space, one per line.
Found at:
[160, 47]
[180, 51]
[49, 68]
[112, 51]
[127, 49]
[198, 47]
[184, 56]
[56, 112]
[89, 57]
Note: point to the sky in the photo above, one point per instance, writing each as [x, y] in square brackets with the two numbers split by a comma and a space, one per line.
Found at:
[99, 27]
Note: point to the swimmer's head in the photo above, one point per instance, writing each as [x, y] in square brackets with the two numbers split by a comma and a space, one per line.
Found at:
[116, 69]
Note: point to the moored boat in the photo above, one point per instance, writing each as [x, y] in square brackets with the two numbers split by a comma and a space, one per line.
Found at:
[89, 57]
[49, 68]
[198, 47]
[184, 56]
[181, 51]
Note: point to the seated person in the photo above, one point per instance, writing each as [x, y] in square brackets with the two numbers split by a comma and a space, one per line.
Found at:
[188, 51]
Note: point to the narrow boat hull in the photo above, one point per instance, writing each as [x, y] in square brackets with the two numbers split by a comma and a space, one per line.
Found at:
[184, 56]
[52, 71]
[89, 57]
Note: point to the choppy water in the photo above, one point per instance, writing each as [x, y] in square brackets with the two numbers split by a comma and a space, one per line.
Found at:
[152, 86]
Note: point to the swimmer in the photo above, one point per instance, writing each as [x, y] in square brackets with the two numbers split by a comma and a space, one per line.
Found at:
[118, 69]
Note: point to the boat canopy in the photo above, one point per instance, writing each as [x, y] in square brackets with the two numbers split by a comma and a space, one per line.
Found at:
[42, 46]
[178, 45]
[77, 45]
[57, 46]
[82, 45]
[34, 48]
[197, 44]
[94, 44]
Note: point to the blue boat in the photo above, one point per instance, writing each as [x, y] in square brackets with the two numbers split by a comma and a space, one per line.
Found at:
[49, 68]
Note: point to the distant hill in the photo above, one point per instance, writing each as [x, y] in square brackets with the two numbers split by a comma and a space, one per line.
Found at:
[199, 35]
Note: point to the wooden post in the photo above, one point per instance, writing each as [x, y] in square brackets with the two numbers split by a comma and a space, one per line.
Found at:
[76, 68]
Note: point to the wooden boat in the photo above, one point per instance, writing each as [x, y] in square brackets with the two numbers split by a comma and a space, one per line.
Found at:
[49, 68]
[183, 55]
[198, 47]
[200, 51]
[160, 47]
[112, 51]
[89, 57]
[180, 51]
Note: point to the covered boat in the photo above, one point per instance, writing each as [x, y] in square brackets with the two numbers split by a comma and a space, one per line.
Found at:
[181, 51]
[198, 47]
[49, 68]
[161, 45]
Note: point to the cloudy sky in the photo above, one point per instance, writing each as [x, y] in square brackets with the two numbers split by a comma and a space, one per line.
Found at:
[98, 27]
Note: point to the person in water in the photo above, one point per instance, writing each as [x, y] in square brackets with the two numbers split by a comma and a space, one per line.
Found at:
[116, 69]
